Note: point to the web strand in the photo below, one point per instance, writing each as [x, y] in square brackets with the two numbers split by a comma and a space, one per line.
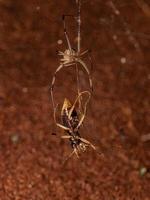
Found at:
[79, 26]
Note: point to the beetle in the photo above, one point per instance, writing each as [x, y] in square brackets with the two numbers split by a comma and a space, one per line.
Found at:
[71, 123]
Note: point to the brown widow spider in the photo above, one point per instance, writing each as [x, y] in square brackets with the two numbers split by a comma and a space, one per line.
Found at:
[72, 57]
[71, 123]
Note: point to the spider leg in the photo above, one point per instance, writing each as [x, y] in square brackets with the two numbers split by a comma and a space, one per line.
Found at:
[84, 113]
[73, 106]
[78, 88]
[87, 70]
[65, 31]
[84, 52]
[60, 53]
[90, 59]
[53, 82]
[54, 78]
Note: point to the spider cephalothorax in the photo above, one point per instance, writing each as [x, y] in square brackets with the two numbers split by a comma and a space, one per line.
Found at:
[68, 56]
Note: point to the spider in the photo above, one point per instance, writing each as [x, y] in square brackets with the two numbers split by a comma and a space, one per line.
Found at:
[71, 57]
[71, 123]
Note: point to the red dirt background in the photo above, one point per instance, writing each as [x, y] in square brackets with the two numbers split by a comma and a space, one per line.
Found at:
[119, 113]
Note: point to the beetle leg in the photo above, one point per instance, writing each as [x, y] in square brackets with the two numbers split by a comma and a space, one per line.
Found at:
[69, 156]
[66, 137]
[76, 152]
[58, 124]
[88, 143]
